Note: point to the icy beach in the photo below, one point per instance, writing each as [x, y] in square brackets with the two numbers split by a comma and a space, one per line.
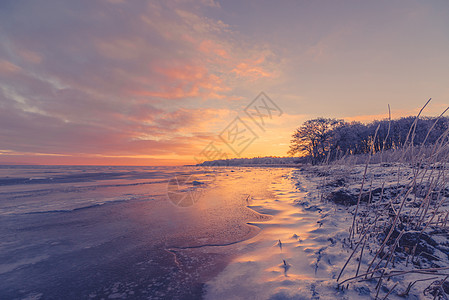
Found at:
[252, 233]
[112, 232]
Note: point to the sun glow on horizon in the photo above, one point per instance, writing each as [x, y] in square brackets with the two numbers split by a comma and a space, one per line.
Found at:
[155, 82]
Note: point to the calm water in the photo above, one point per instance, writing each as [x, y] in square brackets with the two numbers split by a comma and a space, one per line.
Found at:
[71, 232]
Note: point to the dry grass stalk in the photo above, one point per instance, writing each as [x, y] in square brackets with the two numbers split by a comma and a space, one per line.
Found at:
[427, 183]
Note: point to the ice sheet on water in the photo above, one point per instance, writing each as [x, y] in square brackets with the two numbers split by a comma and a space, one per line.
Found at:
[40, 189]
[94, 227]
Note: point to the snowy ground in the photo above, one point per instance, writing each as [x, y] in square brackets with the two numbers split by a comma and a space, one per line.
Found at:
[300, 252]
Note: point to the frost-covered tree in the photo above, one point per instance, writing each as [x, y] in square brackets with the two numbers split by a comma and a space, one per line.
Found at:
[313, 138]
[318, 138]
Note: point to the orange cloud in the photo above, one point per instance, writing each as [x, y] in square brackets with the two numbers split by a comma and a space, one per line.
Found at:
[211, 47]
[183, 82]
[105, 99]
[252, 68]
[8, 67]
[247, 70]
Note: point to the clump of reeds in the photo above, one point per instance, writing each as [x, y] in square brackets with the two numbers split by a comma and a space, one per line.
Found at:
[385, 223]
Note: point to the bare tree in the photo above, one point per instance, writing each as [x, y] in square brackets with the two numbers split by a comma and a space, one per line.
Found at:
[313, 138]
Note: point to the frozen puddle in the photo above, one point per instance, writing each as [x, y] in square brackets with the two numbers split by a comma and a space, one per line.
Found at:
[294, 256]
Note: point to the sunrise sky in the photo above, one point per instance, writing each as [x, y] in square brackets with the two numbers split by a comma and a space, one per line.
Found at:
[154, 82]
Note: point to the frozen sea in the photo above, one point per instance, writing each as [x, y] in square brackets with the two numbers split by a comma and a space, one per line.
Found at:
[77, 232]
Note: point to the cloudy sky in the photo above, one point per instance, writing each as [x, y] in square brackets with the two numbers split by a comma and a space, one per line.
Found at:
[155, 82]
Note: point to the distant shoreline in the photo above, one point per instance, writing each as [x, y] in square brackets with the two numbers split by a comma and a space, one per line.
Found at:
[253, 165]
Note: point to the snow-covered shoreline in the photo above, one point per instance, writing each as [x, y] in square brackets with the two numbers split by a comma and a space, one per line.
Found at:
[299, 254]
[418, 196]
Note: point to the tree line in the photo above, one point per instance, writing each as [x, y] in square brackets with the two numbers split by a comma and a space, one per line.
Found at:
[267, 160]
[322, 138]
